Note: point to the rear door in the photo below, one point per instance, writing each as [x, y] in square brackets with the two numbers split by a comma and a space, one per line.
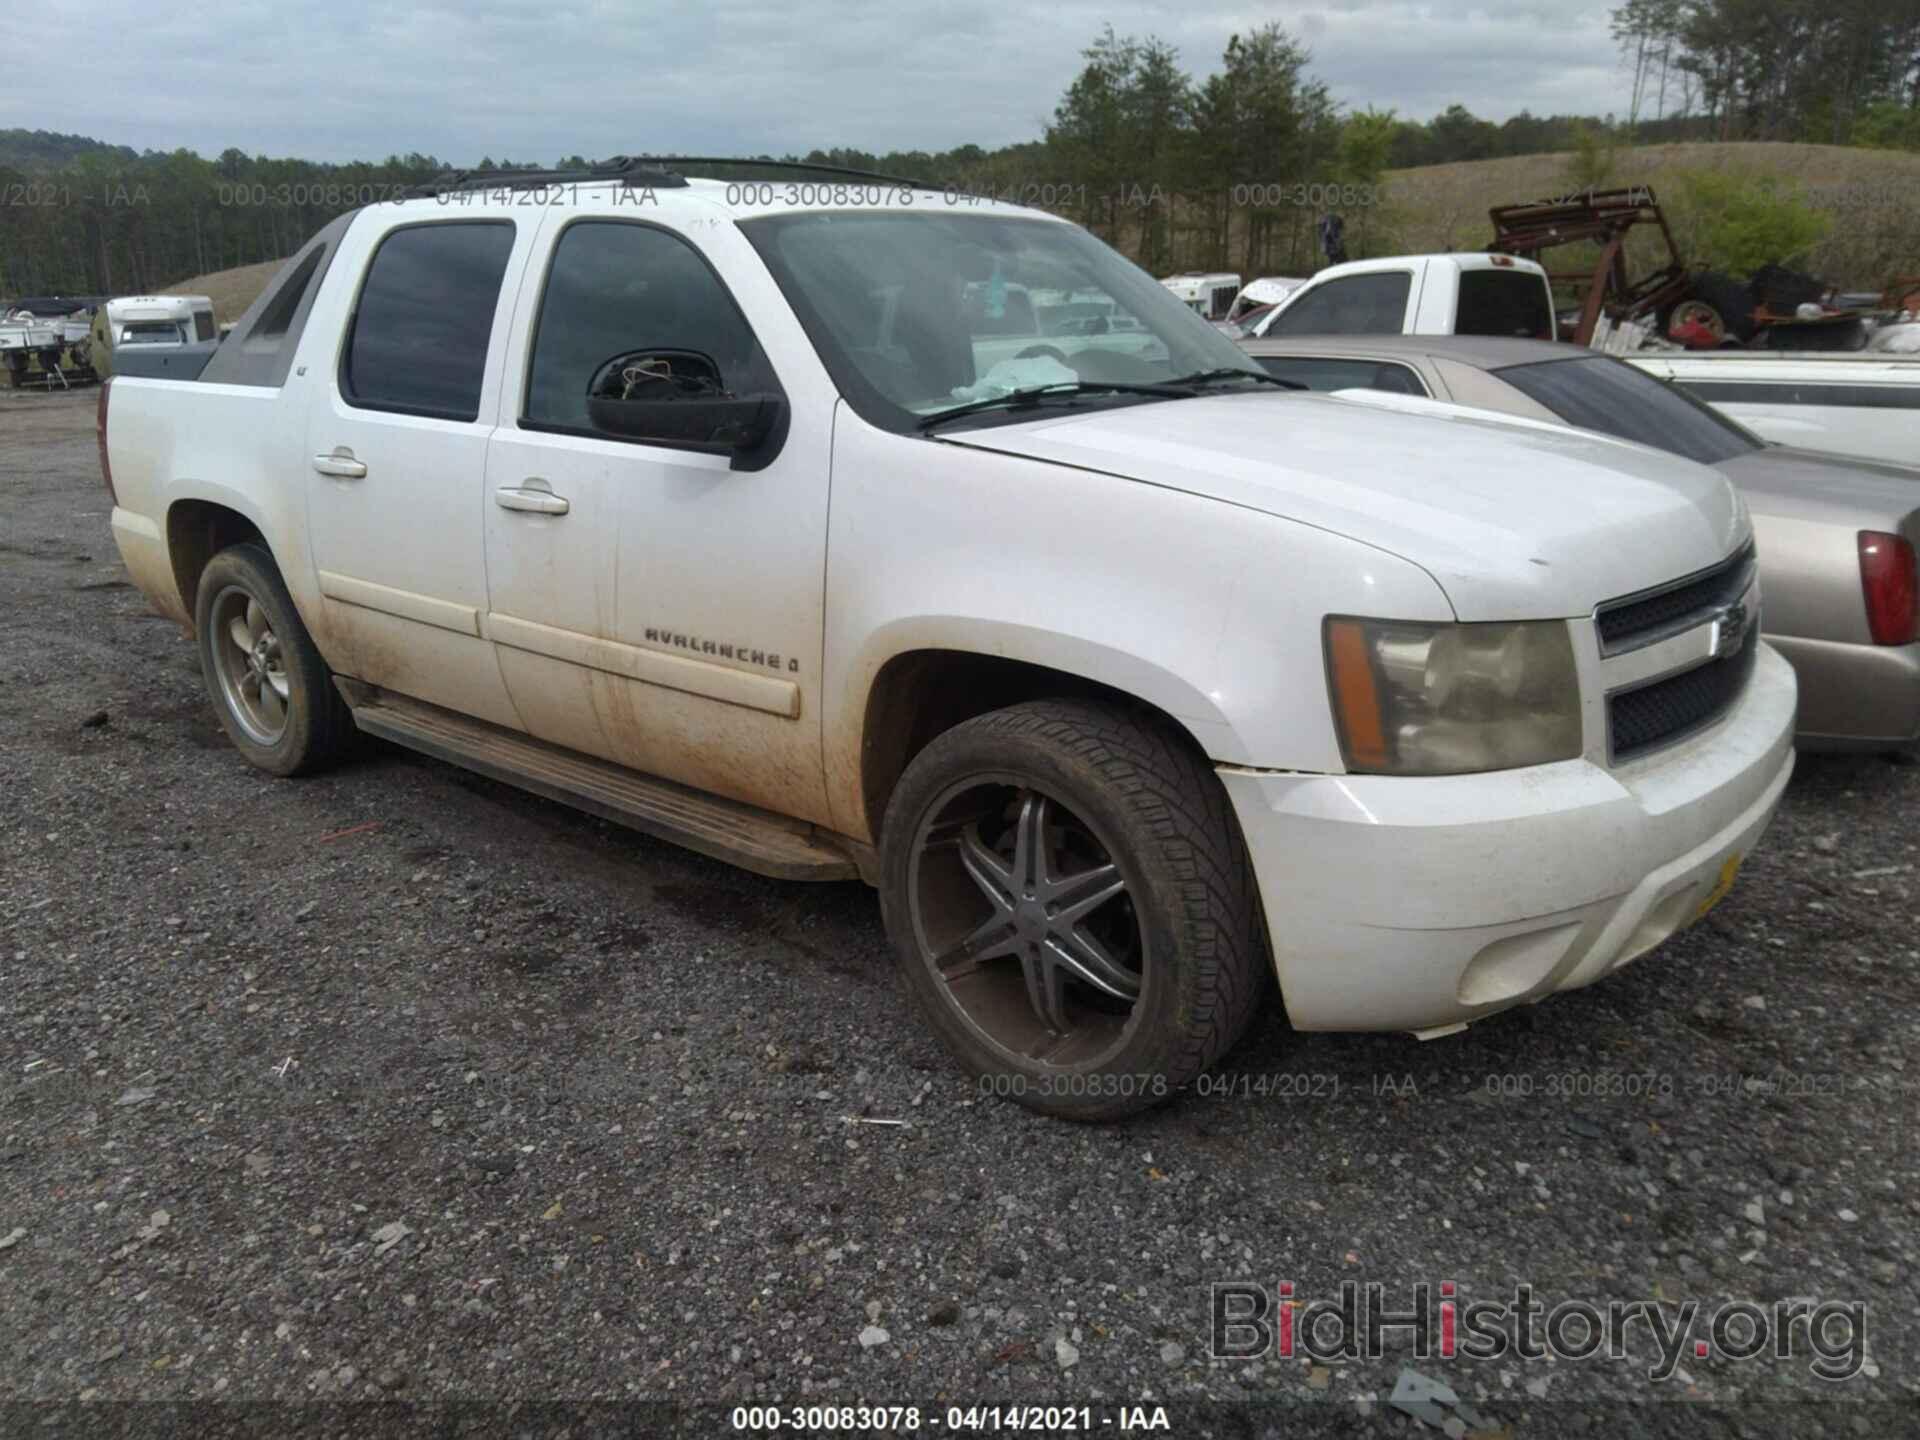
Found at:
[396, 448]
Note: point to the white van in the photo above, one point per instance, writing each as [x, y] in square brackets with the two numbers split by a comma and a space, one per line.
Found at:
[160, 319]
[1210, 296]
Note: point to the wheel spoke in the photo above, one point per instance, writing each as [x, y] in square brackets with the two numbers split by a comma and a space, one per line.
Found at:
[1087, 959]
[238, 633]
[1045, 990]
[1030, 845]
[992, 938]
[277, 679]
[256, 621]
[273, 709]
[1074, 898]
[250, 684]
[987, 870]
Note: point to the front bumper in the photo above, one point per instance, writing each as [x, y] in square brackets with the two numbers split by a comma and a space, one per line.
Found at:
[1398, 903]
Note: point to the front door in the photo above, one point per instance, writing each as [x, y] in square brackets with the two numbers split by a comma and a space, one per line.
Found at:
[395, 459]
[655, 606]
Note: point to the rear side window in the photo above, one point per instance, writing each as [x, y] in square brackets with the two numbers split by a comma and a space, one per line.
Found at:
[1611, 396]
[1342, 374]
[418, 341]
[202, 325]
[1353, 305]
[616, 288]
[1503, 302]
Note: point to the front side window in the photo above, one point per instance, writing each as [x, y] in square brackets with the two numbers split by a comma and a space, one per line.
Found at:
[1328, 373]
[418, 340]
[617, 290]
[914, 314]
[1351, 305]
[1597, 392]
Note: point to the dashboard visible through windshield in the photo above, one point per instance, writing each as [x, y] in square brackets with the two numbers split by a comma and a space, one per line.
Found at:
[917, 314]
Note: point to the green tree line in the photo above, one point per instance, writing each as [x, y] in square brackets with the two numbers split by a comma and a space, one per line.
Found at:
[1233, 170]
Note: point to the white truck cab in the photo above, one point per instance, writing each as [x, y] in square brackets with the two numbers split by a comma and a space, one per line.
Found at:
[720, 511]
[1473, 294]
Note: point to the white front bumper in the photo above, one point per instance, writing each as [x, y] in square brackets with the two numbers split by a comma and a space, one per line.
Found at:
[1417, 903]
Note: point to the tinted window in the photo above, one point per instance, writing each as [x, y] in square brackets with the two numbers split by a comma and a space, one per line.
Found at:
[1597, 393]
[1329, 374]
[616, 287]
[202, 325]
[1355, 305]
[420, 331]
[1503, 302]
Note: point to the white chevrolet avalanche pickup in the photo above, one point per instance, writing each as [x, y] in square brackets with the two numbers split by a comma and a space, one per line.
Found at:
[1128, 676]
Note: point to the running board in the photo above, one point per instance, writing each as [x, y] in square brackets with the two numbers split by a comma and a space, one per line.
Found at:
[756, 840]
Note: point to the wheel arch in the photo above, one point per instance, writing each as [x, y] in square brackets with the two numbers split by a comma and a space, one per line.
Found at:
[198, 530]
[919, 693]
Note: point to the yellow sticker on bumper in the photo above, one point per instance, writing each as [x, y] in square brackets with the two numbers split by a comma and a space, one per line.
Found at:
[1728, 870]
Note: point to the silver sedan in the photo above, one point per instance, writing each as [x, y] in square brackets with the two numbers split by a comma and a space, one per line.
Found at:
[1837, 535]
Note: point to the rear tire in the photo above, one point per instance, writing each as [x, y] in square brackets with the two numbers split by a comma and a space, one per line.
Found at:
[1099, 978]
[273, 693]
[1718, 301]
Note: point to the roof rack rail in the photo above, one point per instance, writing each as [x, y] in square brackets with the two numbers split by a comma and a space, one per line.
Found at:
[627, 169]
[677, 161]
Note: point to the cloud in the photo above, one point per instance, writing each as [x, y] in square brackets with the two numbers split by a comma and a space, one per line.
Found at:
[536, 82]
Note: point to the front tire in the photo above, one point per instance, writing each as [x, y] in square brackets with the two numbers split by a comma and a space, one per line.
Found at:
[272, 691]
[1072, 906]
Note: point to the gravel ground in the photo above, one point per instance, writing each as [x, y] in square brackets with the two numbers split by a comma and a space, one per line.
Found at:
[397, 1083]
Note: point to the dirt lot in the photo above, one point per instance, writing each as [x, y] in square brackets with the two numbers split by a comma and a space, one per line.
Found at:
[398, 1083]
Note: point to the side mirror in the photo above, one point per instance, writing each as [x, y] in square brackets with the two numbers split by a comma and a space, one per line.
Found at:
[677, 398]
[721, 426]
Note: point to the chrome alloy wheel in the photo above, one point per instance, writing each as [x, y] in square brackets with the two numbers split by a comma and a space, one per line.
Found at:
[251, 669]
[1024, 919]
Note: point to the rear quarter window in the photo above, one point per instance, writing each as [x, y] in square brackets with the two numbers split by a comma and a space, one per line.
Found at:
[418, 340]
[1503, 302]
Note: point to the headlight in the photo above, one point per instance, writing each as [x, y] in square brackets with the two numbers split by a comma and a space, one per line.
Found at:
[1421, 699]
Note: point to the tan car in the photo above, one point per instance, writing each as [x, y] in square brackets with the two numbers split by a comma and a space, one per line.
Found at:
[1836, 534]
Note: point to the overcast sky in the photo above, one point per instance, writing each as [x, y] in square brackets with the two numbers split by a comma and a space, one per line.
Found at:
[361, 80]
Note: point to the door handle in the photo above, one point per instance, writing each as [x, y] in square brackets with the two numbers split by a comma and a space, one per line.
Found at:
[536, 502]
[341, 465]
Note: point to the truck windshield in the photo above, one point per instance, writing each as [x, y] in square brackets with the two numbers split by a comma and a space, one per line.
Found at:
[1596, 392]
[915, 314]
[1504, 302]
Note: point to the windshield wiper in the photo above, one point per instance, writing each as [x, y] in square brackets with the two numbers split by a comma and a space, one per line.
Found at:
[1034, 394]
[1201, 377]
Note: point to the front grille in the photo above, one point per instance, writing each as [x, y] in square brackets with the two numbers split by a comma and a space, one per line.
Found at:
[1640, 620]
[1670, 709]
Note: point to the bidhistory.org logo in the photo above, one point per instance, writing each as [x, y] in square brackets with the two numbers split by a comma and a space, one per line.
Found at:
[1249, 1321]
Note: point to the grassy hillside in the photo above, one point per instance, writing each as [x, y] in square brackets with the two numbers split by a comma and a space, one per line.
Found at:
[231, 291]
[1872, 195]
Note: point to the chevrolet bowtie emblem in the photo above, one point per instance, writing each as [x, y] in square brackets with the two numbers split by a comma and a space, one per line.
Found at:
[1729, 631]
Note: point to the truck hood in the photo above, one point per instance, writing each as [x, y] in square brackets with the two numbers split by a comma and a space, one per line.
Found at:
[1514, 521]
